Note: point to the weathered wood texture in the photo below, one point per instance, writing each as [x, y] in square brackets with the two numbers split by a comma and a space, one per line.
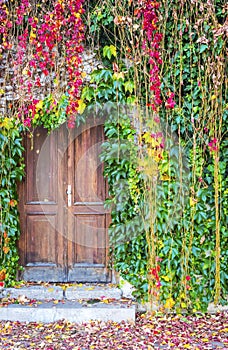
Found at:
[63, 241]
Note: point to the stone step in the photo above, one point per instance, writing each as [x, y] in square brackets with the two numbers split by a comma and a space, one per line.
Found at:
[71, 292]
[72, 311]
[74, 303]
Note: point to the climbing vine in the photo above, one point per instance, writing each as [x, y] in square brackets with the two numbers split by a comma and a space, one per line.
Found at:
[162, 82]
[40, 80]
[180, 131]
[40, 48]
[11, 171]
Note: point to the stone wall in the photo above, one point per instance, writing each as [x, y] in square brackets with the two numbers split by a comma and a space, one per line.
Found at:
[11, 93]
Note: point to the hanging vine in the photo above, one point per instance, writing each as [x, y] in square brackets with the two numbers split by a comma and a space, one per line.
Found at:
[40, 50]
[40, 80]
[171, 55]
[166, 150]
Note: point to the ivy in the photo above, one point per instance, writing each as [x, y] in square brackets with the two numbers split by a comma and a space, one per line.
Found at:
[11, 171]
[51, 113]
[166, 164]
[190, 194]
[126, 232]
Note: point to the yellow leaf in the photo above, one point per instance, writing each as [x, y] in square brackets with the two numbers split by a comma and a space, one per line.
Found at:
[119, 75]
[106, 301]
[161, 244]
[183, 305]
[32, 35]
[205, 340]
[187, 346]
[50, 289]
[192, 202]
[165, 177]
[83, 74]
[1, 91]
[154, 143]
[57, 326]
[169, 303]
[39, 105]
[7, 123]
[166, 278]
[81, 106]
[48, 337]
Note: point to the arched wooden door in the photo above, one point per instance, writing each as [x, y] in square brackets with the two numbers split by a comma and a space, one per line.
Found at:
[63, 220]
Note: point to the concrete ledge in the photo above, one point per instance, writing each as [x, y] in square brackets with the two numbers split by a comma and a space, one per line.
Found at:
[212, 308]
[71, 311]
[91, 292]
[56, 292]
[34, 292]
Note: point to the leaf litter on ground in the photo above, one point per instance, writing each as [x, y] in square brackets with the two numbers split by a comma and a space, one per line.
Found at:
[148, 332]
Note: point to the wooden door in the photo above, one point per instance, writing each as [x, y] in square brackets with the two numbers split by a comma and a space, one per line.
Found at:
[63, 221]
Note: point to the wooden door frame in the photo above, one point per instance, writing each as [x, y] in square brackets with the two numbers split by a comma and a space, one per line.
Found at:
[91, 122]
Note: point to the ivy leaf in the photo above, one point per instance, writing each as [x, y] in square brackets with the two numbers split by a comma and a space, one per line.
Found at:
[129, 86]
[87, 93]
[203, 48]
[113, 50]
[109, 51]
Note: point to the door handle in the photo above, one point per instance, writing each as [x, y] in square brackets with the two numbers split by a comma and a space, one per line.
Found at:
[69, 196]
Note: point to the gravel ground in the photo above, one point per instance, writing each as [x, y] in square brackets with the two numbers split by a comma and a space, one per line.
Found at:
[148, 332]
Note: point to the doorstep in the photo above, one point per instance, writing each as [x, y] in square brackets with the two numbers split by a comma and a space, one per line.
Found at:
[71, 311]
[74, 303]
[58, 292]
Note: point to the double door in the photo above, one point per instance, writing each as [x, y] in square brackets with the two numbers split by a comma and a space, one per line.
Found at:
[63, 221]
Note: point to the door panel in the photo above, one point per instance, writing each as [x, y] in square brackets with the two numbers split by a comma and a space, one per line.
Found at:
[42, 179]
[88, 240]
[87, 218]
[41, 245]
[89, 184]
[64, 237]
[39, 242]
